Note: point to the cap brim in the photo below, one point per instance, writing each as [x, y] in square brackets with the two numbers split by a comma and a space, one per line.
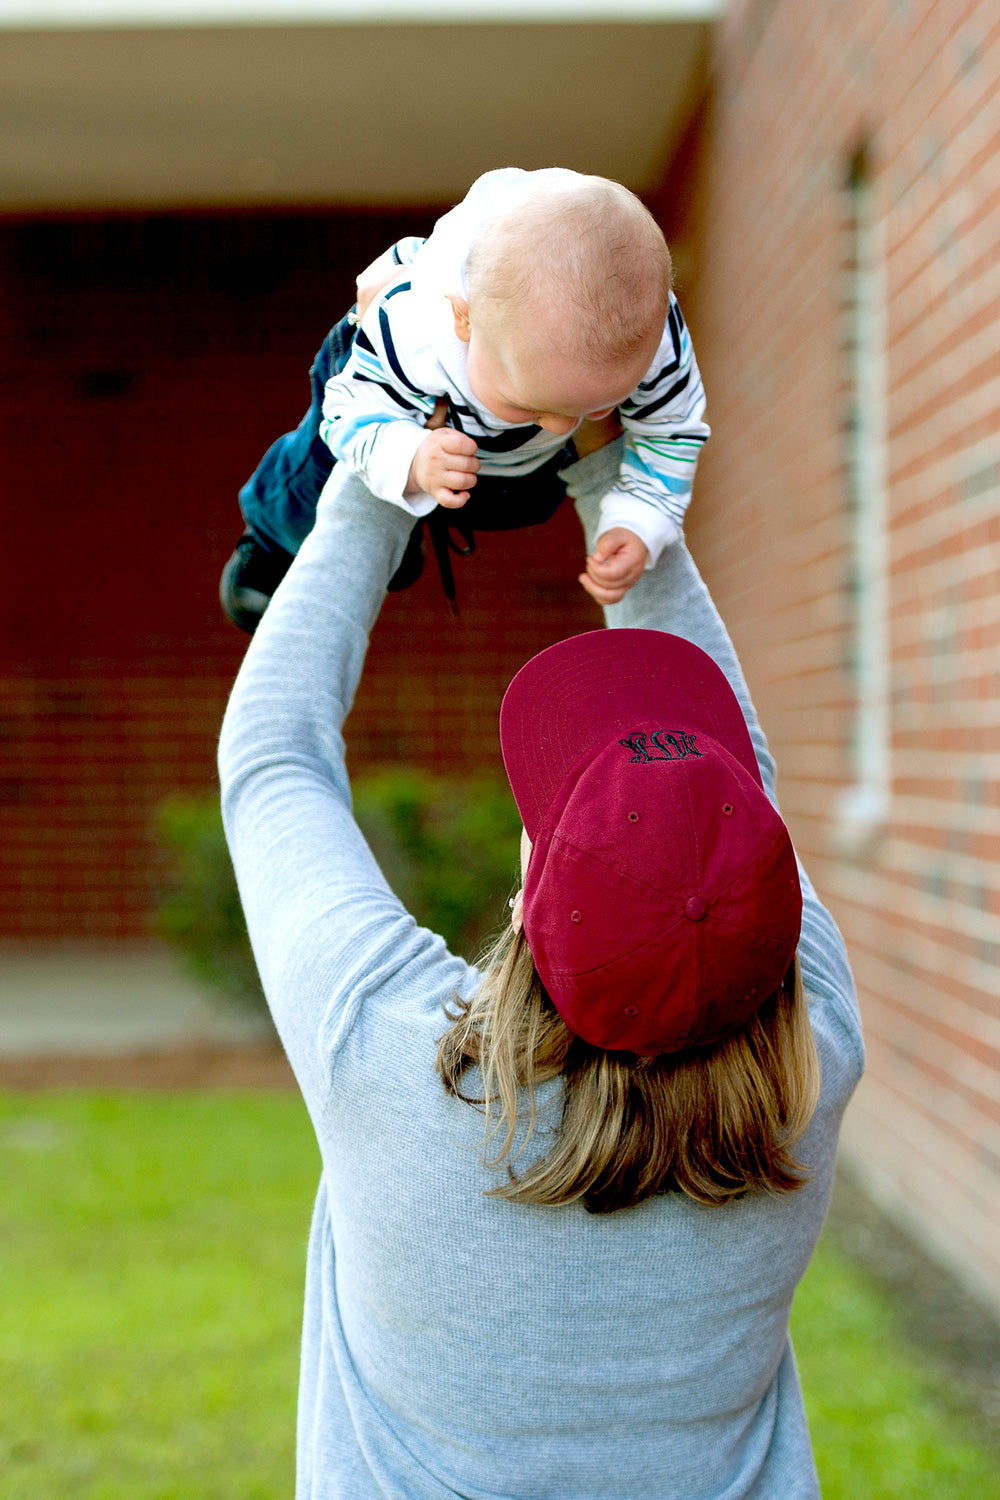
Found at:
[581, 691]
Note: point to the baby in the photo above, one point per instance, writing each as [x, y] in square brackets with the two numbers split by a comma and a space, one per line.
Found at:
[542, 300]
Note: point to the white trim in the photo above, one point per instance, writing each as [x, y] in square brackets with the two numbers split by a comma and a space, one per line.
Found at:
[39, 15]
[946, 1225]
[862, 809]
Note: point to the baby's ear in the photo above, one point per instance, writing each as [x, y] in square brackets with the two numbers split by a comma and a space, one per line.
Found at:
[460, 312]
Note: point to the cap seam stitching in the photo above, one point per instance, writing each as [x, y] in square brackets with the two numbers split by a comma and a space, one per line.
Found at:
[637, 880]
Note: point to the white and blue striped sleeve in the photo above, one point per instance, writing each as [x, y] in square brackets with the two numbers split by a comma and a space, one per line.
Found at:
[665, 431]
[374, 411]
[404, 251]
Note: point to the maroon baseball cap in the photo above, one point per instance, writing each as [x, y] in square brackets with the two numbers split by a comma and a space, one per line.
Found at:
[661, 901]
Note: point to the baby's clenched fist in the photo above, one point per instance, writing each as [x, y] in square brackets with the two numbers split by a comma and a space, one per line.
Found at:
[444, 467]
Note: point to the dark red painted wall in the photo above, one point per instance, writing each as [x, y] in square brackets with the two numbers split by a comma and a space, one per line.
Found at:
[151, 361]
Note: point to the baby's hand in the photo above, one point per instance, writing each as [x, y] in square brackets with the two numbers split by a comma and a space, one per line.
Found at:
[617, 562]
[445, 467]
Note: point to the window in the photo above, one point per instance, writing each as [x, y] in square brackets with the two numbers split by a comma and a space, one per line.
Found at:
[863, 806]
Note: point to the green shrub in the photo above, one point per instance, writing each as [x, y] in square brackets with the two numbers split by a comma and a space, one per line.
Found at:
[200, 913]
[448, 848]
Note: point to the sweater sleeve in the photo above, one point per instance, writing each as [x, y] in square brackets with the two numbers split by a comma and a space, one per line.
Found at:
[670, 597]
[673, 597]
[326, 930]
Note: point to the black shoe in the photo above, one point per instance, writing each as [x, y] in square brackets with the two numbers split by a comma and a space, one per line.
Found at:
[412, 564]
[249, 579]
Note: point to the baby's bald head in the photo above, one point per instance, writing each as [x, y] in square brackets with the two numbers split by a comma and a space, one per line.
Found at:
[578, 260]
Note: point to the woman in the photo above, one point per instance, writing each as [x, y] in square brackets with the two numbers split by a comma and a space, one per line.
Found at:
[584, 1295]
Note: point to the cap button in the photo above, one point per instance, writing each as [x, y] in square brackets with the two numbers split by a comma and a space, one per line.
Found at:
[695, 908]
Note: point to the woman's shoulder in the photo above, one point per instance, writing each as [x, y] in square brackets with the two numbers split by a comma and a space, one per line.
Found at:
[829, 987]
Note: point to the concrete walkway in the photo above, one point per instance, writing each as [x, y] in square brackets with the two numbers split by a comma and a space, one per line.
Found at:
[82, 999]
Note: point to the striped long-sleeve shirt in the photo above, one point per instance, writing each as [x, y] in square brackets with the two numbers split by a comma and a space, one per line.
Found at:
[407, 355]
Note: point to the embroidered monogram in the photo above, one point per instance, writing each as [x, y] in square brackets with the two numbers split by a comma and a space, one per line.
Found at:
[673, 744]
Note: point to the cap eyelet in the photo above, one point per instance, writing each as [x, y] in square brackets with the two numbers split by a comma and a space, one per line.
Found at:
[631, 1010]
[727, 809]
[633, 817]
[576, 916]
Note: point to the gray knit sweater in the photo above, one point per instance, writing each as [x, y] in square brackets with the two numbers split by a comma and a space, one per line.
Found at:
[456, 1345]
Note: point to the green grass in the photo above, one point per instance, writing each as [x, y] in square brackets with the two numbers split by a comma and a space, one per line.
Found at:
[152, 1249]
[884, 1422]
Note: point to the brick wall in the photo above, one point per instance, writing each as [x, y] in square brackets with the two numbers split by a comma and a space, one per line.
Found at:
[798, 88]
[154, 358]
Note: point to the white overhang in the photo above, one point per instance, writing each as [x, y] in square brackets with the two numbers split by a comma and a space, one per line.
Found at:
[176, 103]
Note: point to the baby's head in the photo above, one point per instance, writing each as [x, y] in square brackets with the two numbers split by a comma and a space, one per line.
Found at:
[568, 291]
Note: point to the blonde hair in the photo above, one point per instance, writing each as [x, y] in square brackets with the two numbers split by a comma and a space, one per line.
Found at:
[585, 247]
[714, 1123]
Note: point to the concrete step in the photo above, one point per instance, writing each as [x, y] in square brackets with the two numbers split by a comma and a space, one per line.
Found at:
[85, 999]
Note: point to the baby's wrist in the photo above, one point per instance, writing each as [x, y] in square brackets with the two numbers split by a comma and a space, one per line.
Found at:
[415, 479]
[654, 528]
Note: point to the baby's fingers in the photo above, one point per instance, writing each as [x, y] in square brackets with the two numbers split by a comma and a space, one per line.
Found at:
[603, 593]
[454, 488]
[457, 442]
[460, 463]
[609, 571]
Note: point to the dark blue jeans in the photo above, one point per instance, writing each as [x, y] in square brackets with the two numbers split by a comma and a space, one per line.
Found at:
[279, 499]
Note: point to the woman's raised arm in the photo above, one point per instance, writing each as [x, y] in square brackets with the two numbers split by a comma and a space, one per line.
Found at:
[325, 928]
[671, 596]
